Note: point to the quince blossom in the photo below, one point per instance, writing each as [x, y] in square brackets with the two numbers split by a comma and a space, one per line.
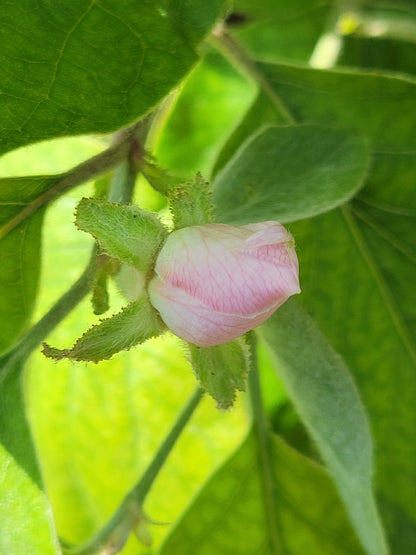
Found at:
[215, 282]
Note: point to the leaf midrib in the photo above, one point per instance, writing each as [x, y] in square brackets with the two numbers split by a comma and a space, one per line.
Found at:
[396, 317]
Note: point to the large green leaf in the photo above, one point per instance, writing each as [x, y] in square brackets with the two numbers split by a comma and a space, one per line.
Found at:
[357, 264]
[369, 104]
[19, 255]
[81, 67]
[326, 398]
[290, 173]
[358, 267]
[25, 513]
[229, 513]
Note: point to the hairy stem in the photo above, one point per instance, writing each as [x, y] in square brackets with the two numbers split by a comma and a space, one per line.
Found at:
[113, 536]
[262, 433]
[242, 61]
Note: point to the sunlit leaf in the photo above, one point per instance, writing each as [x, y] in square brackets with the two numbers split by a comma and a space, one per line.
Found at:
[229, 514]
[25, 513]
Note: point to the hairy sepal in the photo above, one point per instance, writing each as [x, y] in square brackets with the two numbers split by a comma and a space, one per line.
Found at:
[136, 323]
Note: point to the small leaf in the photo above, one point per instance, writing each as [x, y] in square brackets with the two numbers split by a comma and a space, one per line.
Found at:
[229, 514]
[290, 173]
[221, 370]
[132, 235]
[325, 396]
[191, 203]
[134, 324]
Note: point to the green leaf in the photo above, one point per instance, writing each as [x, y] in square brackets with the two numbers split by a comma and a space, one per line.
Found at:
[229, 513]
[106, 422]
[261, 111]
[282, 30]
[371, 105]
[290, 173]
[221, 370]
[325, 396]
[134, 324]
[376, 52]
[92, 66]
[25, 513]
[128, 233]
[211, 101]
[365, 260]
[19, 255]
[358, 267]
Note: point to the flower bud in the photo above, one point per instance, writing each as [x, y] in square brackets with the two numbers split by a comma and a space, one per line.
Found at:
[215, 282]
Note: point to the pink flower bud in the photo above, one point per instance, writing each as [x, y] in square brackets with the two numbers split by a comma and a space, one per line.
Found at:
[215, 282]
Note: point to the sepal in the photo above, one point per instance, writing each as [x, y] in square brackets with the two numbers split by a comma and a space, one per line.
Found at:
[222, 370]
[136, 323]
[191, 204]
[131, 235]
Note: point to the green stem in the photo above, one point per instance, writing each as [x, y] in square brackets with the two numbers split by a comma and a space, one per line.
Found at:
[115, 533]
[49, 321]
[128, 146]
[263, 438]
[239, 58]
[90, 169]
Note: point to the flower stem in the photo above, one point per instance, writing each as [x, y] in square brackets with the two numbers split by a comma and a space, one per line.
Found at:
[242, 61]
[263, 439]
[49, 321]
[112, 537]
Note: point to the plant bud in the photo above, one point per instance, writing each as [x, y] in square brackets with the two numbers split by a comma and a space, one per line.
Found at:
[215, 282]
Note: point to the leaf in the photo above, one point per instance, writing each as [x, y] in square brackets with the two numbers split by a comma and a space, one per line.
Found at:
[358, 266]
[376, 52]
[221, 370]
[325, 397]
[19, 255]
[107, 422]
[372, 326]
[229, 514]
[282, 30]
[25, 514]
[134, 324]
[371, 105]
[290, 173]
[261, 111]
[119, 55]
[132, 235]
[212, 99]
